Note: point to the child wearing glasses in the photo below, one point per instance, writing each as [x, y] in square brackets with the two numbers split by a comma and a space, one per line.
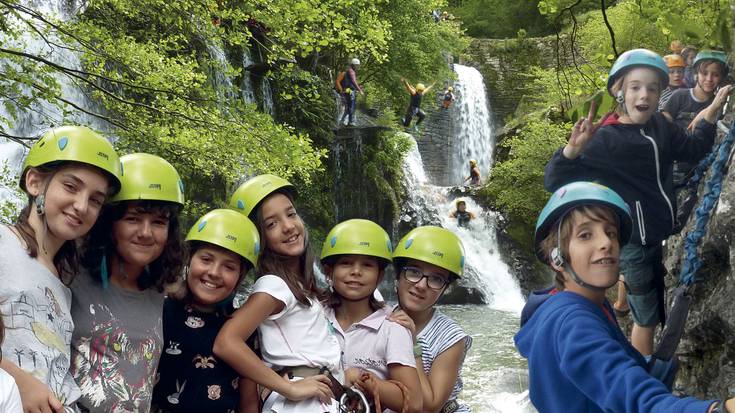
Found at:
[427, 260]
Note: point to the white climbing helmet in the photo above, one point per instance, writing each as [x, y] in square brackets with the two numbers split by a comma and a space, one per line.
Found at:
[355, 61]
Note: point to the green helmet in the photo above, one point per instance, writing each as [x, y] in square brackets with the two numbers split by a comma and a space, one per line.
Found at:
[229, 230]
[77, 144]
[576, 194]
[358, 236]
[149, 177]
[638, 58]
[711, 55]
[434, 245]
[255, 189]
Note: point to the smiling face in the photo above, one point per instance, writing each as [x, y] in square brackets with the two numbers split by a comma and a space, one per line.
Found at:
[140, 236]
[355, 277]
[72, 201]
[642, 89]
[709, 76]
[213, 274]
[283, 228]
[418, 297]
[593, 249]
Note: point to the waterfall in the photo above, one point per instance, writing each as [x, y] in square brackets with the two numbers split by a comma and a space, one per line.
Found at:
[427, 204]
[473, 138]
[248, 94]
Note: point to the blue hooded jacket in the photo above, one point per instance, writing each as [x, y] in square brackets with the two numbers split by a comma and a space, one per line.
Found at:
[580, 361]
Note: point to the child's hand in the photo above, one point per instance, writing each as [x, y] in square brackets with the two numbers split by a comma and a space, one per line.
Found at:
[582, 133]
[314, 386]
[352, 376]
[36, 396]
[711, 112]
[403, 319]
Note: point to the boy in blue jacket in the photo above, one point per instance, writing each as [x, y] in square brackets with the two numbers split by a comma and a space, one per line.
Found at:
[578, 358]
[632, 152]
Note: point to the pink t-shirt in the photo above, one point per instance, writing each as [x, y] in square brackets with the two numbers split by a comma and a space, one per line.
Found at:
[374, 343]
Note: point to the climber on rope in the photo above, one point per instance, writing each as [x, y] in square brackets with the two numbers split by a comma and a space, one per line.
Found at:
[347, 86]
[474, 176]
[578, 357]
[448, 98]
[414, 107]
[461, 214]
[685, 105]
[631, 151]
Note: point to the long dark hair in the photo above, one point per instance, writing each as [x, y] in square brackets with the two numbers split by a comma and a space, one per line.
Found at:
[100, 244]
[332, 298]
[302, 285]
[66, 259]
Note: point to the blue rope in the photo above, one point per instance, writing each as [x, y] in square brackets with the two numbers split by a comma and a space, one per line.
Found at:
[718, 158]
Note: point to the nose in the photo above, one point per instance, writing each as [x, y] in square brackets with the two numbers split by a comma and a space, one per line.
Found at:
[423, 283]
[81, 204]
[145, 228]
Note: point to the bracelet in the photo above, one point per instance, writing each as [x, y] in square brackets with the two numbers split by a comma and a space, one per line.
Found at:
[417, 350]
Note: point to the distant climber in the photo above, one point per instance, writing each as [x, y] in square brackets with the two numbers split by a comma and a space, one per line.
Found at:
[448, 98]
[474, 177]
[463, 216]
[347, 86]
[414, 107]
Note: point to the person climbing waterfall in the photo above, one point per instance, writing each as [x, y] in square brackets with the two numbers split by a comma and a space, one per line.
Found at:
[631, 151]
[463, 216]
[474, 177]
[348, 87]
[578, 357]
[414, 107]
[448, 98]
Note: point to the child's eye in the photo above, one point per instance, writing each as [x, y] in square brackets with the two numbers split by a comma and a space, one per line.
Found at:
[70, 187]
[270, 224]
[584, 235]
[131, 218]
[612, 234]
[97, 202]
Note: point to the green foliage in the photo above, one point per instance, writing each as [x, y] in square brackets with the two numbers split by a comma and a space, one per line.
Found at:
[501, 19]
[516, 184]
[9, 209]
[383, 168]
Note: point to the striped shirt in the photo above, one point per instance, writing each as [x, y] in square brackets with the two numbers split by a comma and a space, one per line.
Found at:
[440, 334]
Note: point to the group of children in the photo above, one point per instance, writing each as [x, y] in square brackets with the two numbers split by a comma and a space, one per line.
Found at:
[612, 207]
[107, 309]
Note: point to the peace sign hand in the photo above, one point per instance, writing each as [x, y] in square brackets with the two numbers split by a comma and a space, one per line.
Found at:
[582, 133]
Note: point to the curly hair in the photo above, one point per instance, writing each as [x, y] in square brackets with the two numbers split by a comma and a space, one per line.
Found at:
[164, 270]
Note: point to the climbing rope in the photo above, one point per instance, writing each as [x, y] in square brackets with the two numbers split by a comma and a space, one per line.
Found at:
[718, 159]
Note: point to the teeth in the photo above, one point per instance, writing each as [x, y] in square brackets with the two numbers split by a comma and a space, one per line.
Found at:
[209, 284]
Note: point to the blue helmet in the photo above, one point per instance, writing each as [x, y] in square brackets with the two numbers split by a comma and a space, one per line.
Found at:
[711, 55]
[577, 194]
[638, 58]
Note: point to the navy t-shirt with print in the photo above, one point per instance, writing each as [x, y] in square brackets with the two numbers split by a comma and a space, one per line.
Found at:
[191, 377]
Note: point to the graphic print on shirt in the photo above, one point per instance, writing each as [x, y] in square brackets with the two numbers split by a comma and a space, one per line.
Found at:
[42, 317]
[112, 363]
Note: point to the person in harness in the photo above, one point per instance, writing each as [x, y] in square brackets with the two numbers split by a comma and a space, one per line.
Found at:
[632, 152]
[579, 360]
[414, 106]
[463, 216]
[474, 176]
[347, 86]
[448, 98]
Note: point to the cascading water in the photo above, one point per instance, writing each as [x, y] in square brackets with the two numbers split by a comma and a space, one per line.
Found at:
[494, 374]
[248, 94]
[474, 137]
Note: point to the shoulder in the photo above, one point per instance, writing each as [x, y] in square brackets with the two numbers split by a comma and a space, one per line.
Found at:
[444, 332]
[276, 287]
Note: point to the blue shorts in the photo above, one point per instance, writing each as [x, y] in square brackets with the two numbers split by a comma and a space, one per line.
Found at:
[644, 272]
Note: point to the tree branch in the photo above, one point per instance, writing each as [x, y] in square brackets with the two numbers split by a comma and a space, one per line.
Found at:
[609, 28]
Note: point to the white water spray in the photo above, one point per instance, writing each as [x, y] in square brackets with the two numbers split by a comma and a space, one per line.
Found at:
[474, 138]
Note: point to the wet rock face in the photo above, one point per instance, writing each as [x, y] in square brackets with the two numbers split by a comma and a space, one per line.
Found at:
[707, 350]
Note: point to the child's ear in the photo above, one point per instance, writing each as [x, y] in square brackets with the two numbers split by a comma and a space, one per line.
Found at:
[35, 182]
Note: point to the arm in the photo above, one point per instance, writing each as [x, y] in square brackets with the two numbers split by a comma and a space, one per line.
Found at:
[249, 399]
[230, 346]
[453, 214]
[34, 394]
[429, 88]
[563, 165]
[472, 216]
[408, 87]
[353, 79]
[601, 368]
[391, 395]
[712, 112]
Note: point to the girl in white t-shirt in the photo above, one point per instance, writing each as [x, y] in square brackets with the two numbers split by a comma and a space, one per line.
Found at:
[354, 257]
[296, 340]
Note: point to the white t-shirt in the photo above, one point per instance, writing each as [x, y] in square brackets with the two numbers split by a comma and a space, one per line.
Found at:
[9, 394]
[296, 336]
[374, 343]
[36, 308]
